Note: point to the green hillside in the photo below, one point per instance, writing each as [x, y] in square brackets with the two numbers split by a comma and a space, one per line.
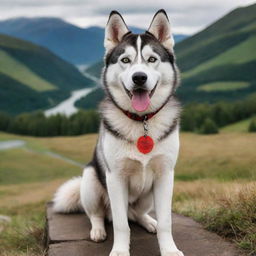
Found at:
[224, 34]
[241, 126]
[224, 53]
[217, 63]
[32, 78]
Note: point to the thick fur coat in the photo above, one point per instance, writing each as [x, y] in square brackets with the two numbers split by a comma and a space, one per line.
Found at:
[140, 78]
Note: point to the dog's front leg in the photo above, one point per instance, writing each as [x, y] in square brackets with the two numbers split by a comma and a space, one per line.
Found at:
[163, 188]
[118, 195]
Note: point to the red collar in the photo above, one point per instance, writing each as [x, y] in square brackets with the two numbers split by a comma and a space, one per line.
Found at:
[136, 117]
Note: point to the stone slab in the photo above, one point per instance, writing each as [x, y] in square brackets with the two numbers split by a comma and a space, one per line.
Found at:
[68, 235]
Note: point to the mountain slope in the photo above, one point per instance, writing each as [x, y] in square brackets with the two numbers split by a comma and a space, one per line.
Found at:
[74, 44]
[232, 29]
[222, 57]
[222, 53]
[32, 77]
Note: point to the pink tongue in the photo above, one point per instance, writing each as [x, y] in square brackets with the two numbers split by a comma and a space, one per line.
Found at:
[140, 101]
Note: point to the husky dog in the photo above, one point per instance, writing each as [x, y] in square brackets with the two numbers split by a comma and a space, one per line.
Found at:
[133, 165]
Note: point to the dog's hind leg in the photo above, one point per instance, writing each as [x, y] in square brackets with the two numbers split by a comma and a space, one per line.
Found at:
[139, 213]
[93, 199]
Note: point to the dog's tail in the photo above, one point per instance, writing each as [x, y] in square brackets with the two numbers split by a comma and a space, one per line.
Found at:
[67, 197]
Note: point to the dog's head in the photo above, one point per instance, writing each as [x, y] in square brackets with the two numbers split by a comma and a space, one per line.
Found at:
[140, 73]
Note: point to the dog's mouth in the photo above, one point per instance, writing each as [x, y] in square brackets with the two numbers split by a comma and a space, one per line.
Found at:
[140, 98]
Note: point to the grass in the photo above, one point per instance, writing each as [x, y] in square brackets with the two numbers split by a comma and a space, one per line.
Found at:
[35, 166]
[241, 126]
[221, 157]
[223, 86]
[25, 234]
[78, 148]
[20, 194]
[225, 208]
[215, 184]
[32, 164]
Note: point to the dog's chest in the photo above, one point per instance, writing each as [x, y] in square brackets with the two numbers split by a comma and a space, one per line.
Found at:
[140, 178]
[140, 184]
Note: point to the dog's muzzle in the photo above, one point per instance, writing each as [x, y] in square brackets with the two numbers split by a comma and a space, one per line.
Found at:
[139, 79]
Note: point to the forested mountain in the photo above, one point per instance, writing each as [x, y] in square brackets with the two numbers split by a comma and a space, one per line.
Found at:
[32, 77]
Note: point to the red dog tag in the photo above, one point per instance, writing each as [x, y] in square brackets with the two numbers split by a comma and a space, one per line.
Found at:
[145, 144]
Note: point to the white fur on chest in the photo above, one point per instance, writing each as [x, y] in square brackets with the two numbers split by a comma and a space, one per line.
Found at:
[139, 169]
[139, 178]
[122, 156]
[115, 149]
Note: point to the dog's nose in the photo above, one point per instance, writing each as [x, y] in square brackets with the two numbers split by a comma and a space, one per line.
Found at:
[139, 78]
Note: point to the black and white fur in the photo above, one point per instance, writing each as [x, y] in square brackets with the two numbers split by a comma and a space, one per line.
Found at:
[121, 182]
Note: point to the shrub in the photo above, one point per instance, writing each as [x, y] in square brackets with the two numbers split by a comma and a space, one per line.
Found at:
[252, 125]
[209, 127]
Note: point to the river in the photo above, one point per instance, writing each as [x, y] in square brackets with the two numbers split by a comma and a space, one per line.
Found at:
[67, 107]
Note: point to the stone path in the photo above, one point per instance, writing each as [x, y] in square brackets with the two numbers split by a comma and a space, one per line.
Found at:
[69, 235]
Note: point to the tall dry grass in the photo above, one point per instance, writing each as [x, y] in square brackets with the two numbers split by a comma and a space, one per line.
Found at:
[228, 209]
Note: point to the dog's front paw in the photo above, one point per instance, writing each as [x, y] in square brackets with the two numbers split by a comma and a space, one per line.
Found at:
[117, 253]
[177, 253]
[148, 223]
[98, 234]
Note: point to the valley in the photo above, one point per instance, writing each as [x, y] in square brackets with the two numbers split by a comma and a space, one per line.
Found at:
[33, 78]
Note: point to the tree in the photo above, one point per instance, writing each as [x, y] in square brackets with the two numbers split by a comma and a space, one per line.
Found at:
[5, 121]
[221, 113]
[252, 125]
[188, 123]
[209, 127]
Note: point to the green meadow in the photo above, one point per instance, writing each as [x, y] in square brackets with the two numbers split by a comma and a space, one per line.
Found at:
[223, 86]
[241, 126]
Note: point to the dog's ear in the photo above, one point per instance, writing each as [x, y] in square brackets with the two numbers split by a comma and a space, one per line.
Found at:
[160, 27]
[115, 30]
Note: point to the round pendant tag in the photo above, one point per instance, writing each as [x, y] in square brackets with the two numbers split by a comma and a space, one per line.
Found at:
[145, 144]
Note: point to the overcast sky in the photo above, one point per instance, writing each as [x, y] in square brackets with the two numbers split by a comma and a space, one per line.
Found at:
[187, 16]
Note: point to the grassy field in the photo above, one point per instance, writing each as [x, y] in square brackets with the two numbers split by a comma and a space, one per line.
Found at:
[223, 86]
[241, 126]
[215, 184]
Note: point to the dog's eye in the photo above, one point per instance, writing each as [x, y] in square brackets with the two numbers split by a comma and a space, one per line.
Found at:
[125, 60]
[152, 59]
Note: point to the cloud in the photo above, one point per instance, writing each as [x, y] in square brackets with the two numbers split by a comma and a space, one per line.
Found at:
[187, 16]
